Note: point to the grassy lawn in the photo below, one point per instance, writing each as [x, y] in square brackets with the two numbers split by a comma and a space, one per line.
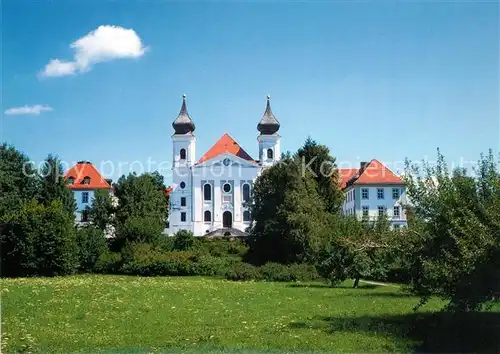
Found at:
[118, 314]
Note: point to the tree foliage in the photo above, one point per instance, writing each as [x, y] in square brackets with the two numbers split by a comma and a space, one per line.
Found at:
[290, 222]
[19, 181]
[141, 197]
[102, 211]
[454, 242]
[183, 240]
[358, 250]
[92, 245]
[38, 240]
[53, 185]
[316, 158]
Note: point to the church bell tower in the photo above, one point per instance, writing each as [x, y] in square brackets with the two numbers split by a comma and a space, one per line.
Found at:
[269, 139]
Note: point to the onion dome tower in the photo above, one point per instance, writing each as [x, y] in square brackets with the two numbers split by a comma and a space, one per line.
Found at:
[268, 124]
[269, 140]
[183, 139]
[183, 124]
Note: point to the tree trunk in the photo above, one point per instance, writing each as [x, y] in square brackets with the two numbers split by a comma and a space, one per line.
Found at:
[356, 282]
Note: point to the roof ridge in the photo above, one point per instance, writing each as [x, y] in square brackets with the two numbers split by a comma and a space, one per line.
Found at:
[220, 148]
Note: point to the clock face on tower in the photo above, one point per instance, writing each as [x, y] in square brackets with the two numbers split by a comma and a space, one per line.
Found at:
[226, 162]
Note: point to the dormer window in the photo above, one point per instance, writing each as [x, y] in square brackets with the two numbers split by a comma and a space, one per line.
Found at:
[182, 154]
[86, 180]
[71, 180]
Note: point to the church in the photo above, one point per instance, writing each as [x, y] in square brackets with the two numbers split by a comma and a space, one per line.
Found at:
[209, 196]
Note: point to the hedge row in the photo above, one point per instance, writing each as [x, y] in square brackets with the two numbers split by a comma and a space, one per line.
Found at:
[144, 260]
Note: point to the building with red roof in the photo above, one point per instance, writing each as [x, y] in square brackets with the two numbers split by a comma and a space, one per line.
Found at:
[373, 191]
[84, 180]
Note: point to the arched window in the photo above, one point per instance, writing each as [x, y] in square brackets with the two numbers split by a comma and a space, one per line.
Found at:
[86, 180]
[207, 192]
[269, 153]
[246, 215]
[246, 192]
[207, 216]
[71, 180]
[183, 154]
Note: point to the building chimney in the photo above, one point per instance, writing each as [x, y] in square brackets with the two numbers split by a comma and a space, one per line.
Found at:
[362, 165]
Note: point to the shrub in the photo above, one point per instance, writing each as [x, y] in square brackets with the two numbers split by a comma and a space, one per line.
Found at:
[210, 265]
[304, 272]
[276, 272]
[38, 240]
[221, 247]
[91, 245]
[184, 240]
[146, 260]
[139, 230]
[243, 271]
[109, 262]
[165, 244]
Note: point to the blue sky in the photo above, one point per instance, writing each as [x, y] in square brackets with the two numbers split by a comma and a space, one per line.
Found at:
[370, 80]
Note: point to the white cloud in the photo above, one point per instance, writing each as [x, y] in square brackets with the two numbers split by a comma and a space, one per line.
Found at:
[103, 44]
[36, 109]
[55, 67]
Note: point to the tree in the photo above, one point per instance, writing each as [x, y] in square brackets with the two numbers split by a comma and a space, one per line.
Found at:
[141, 196]
[358, 249]
[183, 240]
[316, 159]
[54, 185]
[100, 214]
[92, 245]
[454, 243]
[38, 240]
[19, 181]
[290, 222]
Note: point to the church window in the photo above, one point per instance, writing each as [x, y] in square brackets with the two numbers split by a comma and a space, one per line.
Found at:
[246, 192]
[183, 201]
[183, 216]
[269, 153]
[226, 188]
[207, 216]
[85, 197]
[183, 154]
[207, 192]
[246, 215]
[183, 185]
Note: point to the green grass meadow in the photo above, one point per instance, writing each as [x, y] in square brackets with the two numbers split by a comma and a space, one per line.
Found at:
[119, 314]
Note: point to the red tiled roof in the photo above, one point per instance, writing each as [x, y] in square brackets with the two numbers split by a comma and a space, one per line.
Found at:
[377, 173]
[226, 144]
[345, 175]
[86, 169]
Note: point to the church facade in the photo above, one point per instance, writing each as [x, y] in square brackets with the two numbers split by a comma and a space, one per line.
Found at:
[210, 195]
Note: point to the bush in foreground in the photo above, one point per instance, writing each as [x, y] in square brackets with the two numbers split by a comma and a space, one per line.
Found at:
[38, 240]
[91, 245]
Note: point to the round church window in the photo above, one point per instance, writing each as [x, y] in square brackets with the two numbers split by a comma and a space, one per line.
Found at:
[226, 161]
[183, 185]
[227, 188]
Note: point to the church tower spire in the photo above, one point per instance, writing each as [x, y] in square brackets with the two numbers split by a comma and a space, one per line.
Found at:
[183, 124]
[268, 124]
[269, 140]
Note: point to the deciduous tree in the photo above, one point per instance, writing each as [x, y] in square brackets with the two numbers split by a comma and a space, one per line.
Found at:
[455, 244]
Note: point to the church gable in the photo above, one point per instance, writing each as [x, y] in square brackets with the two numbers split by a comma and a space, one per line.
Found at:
[224, 146]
